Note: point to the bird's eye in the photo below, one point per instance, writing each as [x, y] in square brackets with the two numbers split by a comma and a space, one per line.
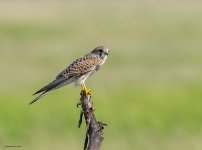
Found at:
[99, 52]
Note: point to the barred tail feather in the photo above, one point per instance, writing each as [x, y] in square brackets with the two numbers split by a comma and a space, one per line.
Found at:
[37, 98]
[51, 86]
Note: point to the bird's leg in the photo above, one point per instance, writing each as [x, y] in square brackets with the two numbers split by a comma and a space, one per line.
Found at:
[87, 91]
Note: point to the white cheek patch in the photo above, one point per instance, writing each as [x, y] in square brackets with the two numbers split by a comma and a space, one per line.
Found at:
[103, 61]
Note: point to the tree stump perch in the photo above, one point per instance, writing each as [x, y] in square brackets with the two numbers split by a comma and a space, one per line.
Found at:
[94, 129]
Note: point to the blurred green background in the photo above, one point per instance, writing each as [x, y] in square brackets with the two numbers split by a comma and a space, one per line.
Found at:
[149, 92]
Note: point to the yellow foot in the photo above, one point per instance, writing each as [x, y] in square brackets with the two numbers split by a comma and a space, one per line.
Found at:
[87, 91]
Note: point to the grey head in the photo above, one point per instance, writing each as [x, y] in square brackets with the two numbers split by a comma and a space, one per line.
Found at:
[101, 51]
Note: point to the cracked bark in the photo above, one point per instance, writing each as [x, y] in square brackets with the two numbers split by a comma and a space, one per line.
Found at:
[94, 128]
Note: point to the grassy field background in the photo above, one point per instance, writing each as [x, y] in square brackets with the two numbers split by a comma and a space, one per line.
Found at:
[149, 92]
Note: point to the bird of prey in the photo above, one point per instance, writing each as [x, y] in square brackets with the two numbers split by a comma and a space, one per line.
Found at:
[77, 72]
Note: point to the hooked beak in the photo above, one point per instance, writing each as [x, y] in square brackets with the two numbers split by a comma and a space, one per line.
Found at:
[106, 53]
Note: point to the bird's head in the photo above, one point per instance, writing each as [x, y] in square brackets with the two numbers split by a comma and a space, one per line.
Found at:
[101, 51]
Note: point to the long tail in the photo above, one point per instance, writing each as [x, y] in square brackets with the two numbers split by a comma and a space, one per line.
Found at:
[37, 98]
[51, 86]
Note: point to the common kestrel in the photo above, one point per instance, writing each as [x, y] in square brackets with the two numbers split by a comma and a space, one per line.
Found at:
[77, 72]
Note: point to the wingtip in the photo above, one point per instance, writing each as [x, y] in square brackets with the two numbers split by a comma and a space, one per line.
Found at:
[37, 92]
[41, 90]
[37, 98]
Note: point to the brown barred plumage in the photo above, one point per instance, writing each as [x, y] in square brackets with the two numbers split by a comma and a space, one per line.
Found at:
[78, 71]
